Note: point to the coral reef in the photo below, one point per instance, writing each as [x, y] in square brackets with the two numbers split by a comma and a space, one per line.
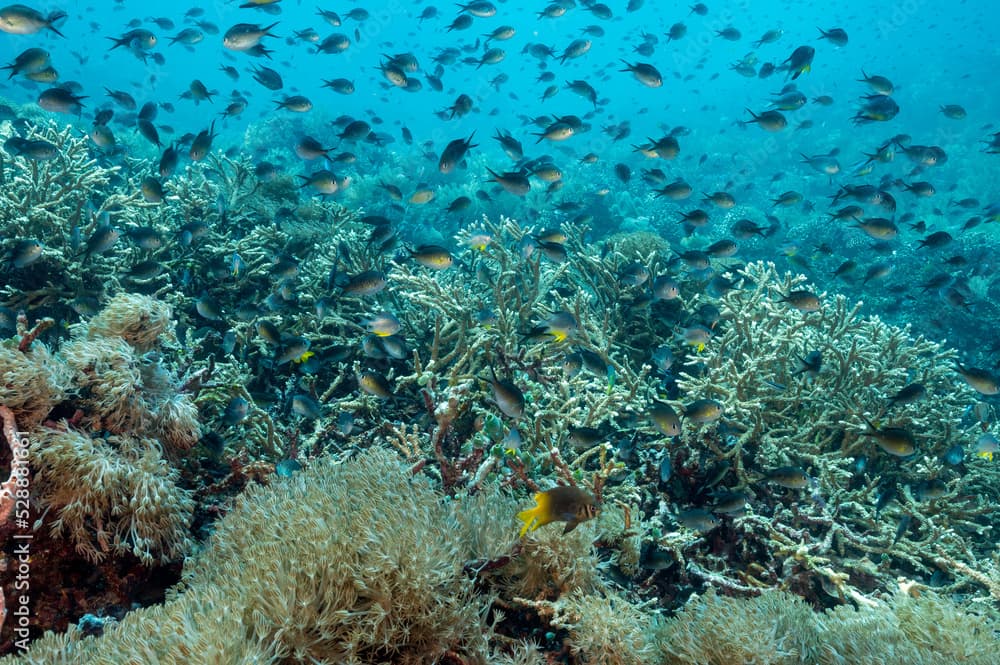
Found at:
[826, 425]
[779, 629]
[246, 361]
[116, 492]
[111, 495]
[33, 381]
[138, 320]
[373, 571]
[380, 566]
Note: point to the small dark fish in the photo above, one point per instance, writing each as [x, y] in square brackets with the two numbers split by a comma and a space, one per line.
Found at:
[60, 100]
[703, 411]
[236, 411]
[893, 440]
[246, 36]
[26, 252]
[36, 150]
[507, 396]
[209, 308]
[836, 36]
[22, 20]
[800, 61]
[654, 558]
[885, 495]
[267, 77]
[811, 364]
[582, 438]
[954, 455]
[149, 131]
[373, 383]
[306, 406]
[929, 490]
[366, 283]
[980, 380]
[152, 190]
[645, 73]
[804, 301]
[903, 527]
[771, 121]
[103, 239]
[202, 143]
[666, 469]
[513, 182]
[665, 419]
[789, 477]
[908, 394]
[698, 519]
[145, 270]
[434, 257]
[729, 503]
[168, 161]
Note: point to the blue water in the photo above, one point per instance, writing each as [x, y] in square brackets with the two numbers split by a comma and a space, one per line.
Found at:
[934, 56]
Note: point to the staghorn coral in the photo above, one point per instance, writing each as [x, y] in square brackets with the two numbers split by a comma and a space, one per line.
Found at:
[111, 495]
[521, 292]
[638, 244]
[62, 201]
[753, 367]
[775, 415]
[46, 198]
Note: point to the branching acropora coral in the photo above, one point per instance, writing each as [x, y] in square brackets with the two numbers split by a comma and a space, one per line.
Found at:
[828, 422]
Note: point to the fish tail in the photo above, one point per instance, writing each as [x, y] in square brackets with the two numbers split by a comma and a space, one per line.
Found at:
[530, 520]
[537, 516]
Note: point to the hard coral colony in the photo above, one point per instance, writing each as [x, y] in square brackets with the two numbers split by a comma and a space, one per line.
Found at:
[272, 418]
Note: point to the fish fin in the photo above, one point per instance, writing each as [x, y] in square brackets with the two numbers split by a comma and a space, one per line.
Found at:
[530, 519]
[537, 516]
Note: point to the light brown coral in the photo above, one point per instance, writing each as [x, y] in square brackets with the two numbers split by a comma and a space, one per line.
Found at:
[111, 495]
[33, 382]
[139, 320]
[108, 375]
